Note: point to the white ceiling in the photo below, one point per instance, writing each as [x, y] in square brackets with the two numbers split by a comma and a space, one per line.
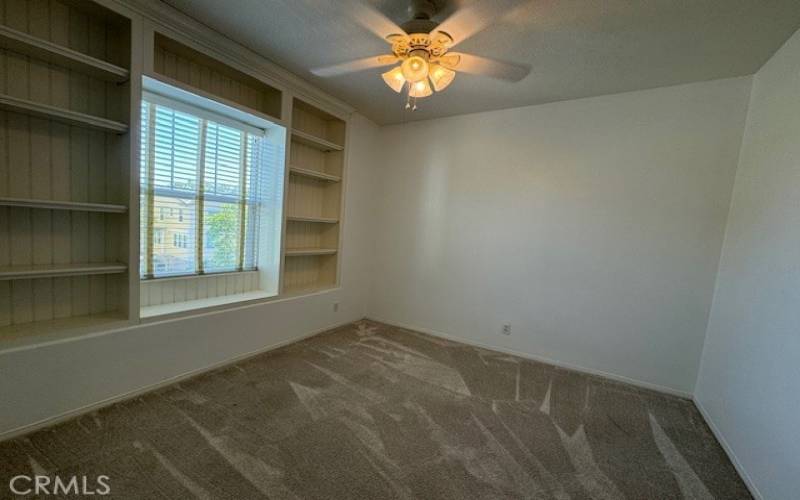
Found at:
[576, 48]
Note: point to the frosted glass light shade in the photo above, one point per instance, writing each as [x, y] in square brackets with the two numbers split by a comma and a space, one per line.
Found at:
[441, 77]
[420, 89]
[394, 78]
[415, 69]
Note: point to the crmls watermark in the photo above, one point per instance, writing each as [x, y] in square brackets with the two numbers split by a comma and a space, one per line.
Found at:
[56, 485]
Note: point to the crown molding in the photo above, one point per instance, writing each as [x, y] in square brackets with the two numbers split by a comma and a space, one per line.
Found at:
[166, 16]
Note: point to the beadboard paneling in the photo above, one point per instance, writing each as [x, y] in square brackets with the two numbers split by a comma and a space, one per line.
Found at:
[309, 273]
[308, 197]
[304, 156]
[318, 123]
[173, 290]
[186, 65]
[301, 235]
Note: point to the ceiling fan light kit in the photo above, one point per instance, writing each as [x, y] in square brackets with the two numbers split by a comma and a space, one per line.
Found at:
[418, 73]
[421, 46]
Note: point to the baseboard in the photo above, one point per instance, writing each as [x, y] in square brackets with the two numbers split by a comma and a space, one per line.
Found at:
[542, 359]
[47, 422]
[748, 481]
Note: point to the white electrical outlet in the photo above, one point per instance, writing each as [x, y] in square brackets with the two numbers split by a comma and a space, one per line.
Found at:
[507, 329]
[335, 307]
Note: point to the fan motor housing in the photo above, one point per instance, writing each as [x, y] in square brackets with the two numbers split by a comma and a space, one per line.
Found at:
[422, 12]
[435, 45]
[419, 25]
[422, 34]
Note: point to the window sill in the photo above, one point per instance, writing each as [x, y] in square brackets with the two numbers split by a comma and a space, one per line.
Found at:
[192, 305]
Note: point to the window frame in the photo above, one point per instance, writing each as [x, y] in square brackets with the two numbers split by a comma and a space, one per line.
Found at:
[247, 203]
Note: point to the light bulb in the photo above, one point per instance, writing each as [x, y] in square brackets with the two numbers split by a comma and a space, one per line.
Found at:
[415, 68]
[394, 78]
[441, 77]
[420, 89]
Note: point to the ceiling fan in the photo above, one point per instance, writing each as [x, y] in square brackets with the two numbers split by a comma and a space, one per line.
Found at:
[422, 46]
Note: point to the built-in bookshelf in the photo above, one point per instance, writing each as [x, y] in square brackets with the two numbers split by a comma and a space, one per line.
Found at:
[313, 199]
[64, 166]
[69, 167]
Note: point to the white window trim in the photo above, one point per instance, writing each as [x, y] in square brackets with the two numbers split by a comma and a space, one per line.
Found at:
[172, 102]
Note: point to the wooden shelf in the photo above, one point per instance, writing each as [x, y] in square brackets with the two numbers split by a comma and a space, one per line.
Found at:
[297, 290]
[305, 172]
[63, 205]
[37, 333]
[59, 270]
[28, 45]
[314, 141]
[60, 114]
[304, 252]
[321, 220]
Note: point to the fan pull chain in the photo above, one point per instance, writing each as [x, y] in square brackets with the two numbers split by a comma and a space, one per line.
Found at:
[411, 101]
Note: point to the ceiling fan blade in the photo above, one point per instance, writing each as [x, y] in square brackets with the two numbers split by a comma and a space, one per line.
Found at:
[476, 65]
[354, 66]
[469, 20]
[369, 17]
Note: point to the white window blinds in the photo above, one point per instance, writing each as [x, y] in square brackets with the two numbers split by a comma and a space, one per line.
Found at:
[200, 191]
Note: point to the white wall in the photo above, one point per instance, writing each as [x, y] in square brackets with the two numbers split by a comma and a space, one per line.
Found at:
[748, 382]
[38, 384]
[593, 226]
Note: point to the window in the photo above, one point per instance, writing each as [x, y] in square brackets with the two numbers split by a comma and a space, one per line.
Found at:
[180, 240]
[208, 178]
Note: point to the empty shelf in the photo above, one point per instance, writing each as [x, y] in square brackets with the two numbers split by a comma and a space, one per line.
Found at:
[303, 252]
[59, 270]
[314, 174]
[315, 142]
[63, 205]
[322, 220]
[60, 114]
[37, 333]
[295, 290]
[28, 45]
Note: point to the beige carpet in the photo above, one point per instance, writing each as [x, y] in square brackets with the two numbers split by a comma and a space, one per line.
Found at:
[375, 412]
